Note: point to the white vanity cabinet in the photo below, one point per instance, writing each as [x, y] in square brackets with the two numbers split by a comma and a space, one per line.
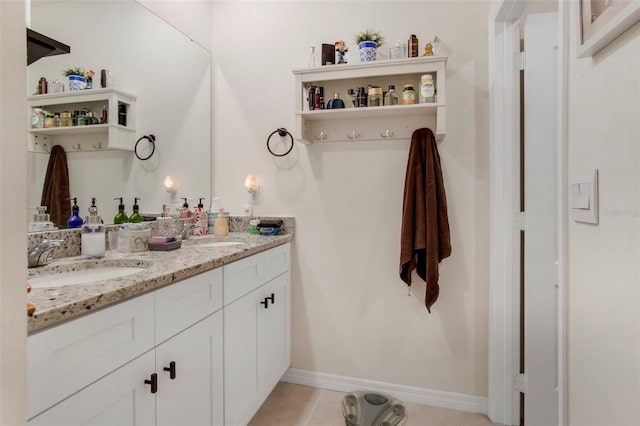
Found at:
[257, 336]
[123, 365]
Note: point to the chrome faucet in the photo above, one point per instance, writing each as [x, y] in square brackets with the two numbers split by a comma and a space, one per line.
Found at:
[187, 230]
[41, 254]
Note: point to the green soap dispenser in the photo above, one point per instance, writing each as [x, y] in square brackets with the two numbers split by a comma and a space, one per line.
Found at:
[135, 217]
[121, 217]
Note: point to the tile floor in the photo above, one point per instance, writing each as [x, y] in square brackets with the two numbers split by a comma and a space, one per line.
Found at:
[296, 405]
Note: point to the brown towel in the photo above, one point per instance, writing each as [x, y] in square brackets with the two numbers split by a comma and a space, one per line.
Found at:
[55, 191]
[425, 238]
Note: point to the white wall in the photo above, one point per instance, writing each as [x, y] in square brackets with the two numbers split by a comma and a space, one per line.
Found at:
[147, 58]
[604, 276]
[351, 312]
[13, 244]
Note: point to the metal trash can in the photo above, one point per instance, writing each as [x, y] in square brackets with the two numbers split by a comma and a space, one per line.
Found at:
[373, 409]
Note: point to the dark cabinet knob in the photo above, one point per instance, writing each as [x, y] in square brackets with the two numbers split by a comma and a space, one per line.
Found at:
[272, 297]
[153, 382]
[171, 369]
[265, 302]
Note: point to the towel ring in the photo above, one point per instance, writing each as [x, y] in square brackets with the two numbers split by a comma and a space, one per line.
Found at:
[152, 141]
[282, 132]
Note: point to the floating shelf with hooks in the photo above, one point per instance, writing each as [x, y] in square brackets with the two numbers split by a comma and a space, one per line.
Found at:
[93, 137]
[369, 123]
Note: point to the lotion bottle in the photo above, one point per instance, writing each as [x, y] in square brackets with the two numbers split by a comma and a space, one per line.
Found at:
[221, 227]
[184, 211]
[93, 239]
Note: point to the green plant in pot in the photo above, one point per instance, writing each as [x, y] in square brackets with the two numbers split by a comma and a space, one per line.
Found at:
[368, 41]
[76, 78]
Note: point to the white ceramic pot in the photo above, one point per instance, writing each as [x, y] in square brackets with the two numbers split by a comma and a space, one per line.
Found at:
[368, 51]
[76, 82]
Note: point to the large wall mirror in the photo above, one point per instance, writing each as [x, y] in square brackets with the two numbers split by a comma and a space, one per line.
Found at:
[168, 73]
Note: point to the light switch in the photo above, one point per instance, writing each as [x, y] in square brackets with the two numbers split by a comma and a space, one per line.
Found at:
[580, 195]
[583, 196]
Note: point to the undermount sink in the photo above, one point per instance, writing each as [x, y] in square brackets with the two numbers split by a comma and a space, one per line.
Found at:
[85, 272]
[221, 244]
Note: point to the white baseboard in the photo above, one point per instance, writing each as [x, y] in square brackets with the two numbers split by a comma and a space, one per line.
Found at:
[455, 401]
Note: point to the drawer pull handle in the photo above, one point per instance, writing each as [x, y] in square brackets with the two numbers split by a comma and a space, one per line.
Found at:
[153, 382]
[171, 369]
[265, 302]
[272, 297]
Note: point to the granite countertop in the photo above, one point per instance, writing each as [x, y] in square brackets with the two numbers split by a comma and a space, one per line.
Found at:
[58, 304]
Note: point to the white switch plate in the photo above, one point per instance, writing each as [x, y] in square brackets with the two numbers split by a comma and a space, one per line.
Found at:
[583, 196]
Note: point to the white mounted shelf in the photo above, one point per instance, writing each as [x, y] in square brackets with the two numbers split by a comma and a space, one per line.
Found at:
[369, 123]
[93, 137]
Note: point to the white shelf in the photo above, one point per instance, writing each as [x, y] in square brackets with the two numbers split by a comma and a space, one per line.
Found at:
[90, 137]
[369, 123]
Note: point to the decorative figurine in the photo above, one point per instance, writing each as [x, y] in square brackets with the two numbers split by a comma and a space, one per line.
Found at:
[341, 49]
[428, 49]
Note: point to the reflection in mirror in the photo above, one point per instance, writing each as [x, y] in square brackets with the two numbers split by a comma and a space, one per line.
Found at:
[171, 78]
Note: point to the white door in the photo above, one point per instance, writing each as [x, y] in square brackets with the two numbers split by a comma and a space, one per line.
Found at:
[541, 211]
[189, 368]
[120, 398]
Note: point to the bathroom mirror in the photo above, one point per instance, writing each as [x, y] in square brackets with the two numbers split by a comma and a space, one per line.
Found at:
[169, 74]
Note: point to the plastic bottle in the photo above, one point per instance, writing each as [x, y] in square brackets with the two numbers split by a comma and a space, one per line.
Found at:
[121, 217]
[93, 239]
[135, 217]
[221, 227]
[408, 95]
[427, 89]
[391, 97]
[75, 221]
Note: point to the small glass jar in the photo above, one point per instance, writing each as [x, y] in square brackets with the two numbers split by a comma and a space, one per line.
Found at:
[57, 121]
[375, 97]
[65, 119]
[48, 120]
[408, 95]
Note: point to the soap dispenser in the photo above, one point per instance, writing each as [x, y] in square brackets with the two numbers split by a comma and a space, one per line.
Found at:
[75, 221]
[41, 221]
[135, 217]
[166, 224]
[121, 217]
[221, 227]
[93, 236]
[200, 219]
[185, 213]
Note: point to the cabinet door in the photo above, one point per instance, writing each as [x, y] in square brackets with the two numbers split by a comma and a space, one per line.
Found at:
[66, 358]
[241, 392]
[120, 398]
[194, 396]
[275, 333]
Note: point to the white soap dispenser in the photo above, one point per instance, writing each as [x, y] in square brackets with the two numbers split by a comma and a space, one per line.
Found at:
[93, 239]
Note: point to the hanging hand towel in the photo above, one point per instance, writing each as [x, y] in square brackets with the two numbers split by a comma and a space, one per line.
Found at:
[425, 238]
[55, 191]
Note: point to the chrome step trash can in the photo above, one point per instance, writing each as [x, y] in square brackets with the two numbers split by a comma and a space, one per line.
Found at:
[363, 408]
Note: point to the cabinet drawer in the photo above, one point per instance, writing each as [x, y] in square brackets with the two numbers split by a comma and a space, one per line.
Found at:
[276, 261]
[66, 358]
[243, 276]
[180, 305]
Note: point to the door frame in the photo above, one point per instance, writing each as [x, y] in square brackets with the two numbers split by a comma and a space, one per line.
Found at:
[504, 248]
